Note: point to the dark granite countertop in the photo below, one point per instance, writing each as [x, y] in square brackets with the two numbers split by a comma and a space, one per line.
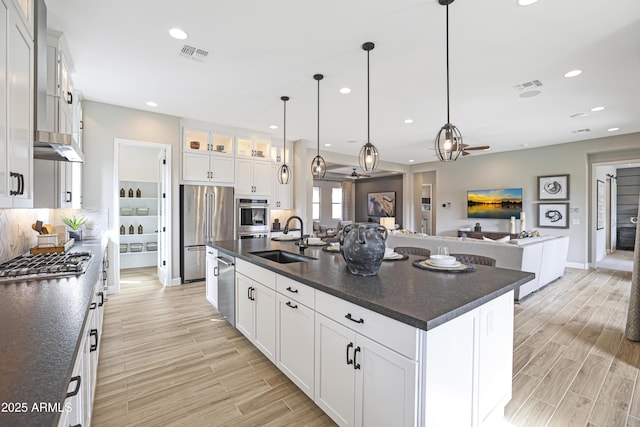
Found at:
[40, 330]
[420, 298]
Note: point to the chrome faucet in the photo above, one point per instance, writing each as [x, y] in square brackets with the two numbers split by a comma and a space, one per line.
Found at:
[301, 243]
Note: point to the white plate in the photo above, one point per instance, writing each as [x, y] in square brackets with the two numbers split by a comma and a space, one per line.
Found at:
[442, 261]
[433, 264]
[393, 255]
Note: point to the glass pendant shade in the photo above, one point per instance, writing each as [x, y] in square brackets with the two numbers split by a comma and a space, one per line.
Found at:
[318, 166]
[284, 171]
[369, 157]
[448, 143]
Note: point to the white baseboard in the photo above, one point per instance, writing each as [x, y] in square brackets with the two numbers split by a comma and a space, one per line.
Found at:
[578, 265]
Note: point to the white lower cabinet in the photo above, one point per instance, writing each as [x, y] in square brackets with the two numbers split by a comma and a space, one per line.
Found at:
[211, 277]
[256, 314]
[295, 342]
[360, 382]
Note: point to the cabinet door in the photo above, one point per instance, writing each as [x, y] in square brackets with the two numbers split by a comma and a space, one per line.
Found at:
[20, 112]
[222, 169]
[244, 306]
[295, 342]
[385, 386]
[334, 370]
[264, 328]
[244, 176]
[262, 178]
[195, 167]
[212, 277]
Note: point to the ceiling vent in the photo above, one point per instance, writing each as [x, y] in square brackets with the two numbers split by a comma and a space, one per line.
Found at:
[533, 84]
[581, 131]
[194, 53]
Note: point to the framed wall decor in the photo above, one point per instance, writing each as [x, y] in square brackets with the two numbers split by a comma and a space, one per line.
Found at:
[553, 215]
[381, 204]
[601, 205]
[553, 187]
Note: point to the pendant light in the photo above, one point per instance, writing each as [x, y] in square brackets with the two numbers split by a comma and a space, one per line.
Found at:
[284, 171]
[448, 142]
[318, 166]
[369, 156]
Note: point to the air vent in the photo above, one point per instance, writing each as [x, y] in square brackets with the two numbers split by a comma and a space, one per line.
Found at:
[581, 131]
[528, 85]
[194, 53]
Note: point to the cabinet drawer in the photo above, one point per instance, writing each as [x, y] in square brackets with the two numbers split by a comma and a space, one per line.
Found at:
[259, 274]
[389, 332]
[296, 291]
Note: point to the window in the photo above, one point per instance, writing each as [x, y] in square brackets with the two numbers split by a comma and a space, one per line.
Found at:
[336, 203]
[315, 203]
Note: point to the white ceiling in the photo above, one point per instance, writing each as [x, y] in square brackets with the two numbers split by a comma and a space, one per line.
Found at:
[261, 50]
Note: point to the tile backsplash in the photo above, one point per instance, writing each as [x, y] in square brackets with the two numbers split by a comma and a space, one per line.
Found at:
[18, 237]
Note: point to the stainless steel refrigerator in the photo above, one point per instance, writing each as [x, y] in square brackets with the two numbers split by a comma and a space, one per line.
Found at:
[206, 214]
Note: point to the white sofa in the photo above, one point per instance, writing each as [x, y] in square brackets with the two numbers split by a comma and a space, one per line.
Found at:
[545, 256]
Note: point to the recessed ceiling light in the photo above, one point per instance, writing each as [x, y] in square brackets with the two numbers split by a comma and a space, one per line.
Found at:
[526, 2]
[411, 161]
[613, 129]
[594, 109]
[408, 121]
[345, 90]
[573, 73]
[530, 93]
[152, 104]
[524, 145]
[273, 127]
[177, 33]
[327, 145]
[578, 115]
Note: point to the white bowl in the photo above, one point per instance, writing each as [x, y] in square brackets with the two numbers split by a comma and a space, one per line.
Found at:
[314, 240]
[442, 260]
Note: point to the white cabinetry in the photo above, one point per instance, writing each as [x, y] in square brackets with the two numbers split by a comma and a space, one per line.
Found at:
[295, 332]
[256, 306]
[253, 177]
[212, 277]
[360, 382]
[281, 193]
[138, 249]
[16, 111]
[468, 366]
[207, 157]
[253, 147]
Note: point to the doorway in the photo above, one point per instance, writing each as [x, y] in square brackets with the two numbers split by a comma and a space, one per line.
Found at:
[142, 187]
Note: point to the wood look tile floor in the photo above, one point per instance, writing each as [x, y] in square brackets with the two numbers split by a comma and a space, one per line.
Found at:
[167, 358]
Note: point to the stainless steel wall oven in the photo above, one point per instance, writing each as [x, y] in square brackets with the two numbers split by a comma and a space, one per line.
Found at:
[253, 218]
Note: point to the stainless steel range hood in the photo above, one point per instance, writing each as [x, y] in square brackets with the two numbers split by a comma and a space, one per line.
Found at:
[48, 143]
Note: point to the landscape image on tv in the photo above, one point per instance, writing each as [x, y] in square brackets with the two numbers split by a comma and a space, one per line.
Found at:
[495, 204]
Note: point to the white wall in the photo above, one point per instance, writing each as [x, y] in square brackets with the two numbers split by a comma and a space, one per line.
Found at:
[138, 163]
[102, 124]
[520, 169]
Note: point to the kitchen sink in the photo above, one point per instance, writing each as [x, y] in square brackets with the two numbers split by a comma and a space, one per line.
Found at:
[282, 257]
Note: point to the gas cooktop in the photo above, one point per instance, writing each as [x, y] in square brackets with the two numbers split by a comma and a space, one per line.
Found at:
[45, 266]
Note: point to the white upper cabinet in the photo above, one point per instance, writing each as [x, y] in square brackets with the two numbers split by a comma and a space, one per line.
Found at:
[207, 156]
[16, 115]
[259, 148]
[253, 177]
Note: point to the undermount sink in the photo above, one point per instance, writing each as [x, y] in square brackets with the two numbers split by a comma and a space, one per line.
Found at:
[282, 257]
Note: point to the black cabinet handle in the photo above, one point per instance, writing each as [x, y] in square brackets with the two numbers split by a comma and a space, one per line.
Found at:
[348, 316]
[68, 197]
[295, 291]
[20, 183]
[69, 98]
[356, 365]
[101, 295]
[92, 306]
[253, 298]
[291, 305]
[14, 175]
[215, 271]
[93, 333]
[249, 293]
[77, 389]
[349, 361]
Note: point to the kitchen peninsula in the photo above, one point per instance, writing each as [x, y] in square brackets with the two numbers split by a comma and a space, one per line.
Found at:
[405, 347]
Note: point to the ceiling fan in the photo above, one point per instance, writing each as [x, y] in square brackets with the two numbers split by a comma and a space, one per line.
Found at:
[356, 175]
[466, 148]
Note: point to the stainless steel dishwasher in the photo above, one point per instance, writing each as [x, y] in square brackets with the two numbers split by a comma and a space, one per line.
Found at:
[227, 288]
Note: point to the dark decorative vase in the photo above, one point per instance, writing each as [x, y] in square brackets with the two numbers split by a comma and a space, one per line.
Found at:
[362, 246]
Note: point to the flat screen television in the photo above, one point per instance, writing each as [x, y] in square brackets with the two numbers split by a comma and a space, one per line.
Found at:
[495, 204]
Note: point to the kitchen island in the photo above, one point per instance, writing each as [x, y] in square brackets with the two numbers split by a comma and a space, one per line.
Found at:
[41, 340]
[423, 347]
